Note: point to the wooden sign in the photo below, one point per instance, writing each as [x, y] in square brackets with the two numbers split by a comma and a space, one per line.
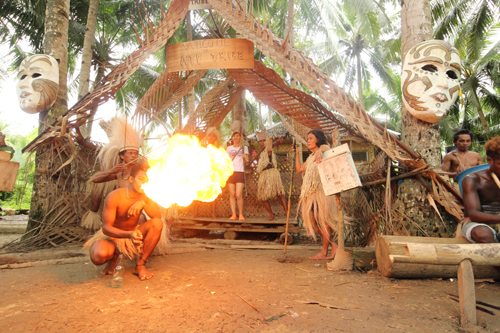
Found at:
[337, 171]
[199, 4]
[210, 54]
[8, 175]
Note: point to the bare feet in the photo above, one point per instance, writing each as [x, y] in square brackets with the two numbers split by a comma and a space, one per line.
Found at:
[172, 237]
[272, 218]
[331, 256]
[110, 267]
[241, 218]
[142, 273]
[319, 256]
[233, 217]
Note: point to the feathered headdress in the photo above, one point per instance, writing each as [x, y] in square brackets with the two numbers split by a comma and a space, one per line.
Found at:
[262, 135]
[214, 131]
[122, 136]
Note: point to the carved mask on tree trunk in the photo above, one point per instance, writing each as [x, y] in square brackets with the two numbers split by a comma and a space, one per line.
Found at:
[430, 79]
[38, 83]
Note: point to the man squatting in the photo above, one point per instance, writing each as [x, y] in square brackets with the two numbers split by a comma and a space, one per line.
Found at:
[120, 232]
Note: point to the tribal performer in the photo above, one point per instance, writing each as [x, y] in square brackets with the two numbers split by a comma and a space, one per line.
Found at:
[270, 185]
[120, 232]
[482, 199]
[316, 208]
[116, 159]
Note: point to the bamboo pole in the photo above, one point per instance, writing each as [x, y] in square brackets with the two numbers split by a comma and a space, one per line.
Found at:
[290, 195]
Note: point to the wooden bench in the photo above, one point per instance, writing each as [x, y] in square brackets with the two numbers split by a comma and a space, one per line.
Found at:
[430, 257]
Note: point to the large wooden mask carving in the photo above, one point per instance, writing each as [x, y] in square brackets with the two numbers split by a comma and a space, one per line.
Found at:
[430, 79]
[38, 83]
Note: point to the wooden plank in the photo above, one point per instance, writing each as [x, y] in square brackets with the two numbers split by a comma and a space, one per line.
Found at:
[8, 175]
[268, 230]
[467, 294]
[274, 247]
[210, 54]
[280, 221]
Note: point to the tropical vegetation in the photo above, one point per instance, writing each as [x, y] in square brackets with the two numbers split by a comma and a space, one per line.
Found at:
[358, 43]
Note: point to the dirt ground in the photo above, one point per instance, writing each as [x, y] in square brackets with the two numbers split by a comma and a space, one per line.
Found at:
[199, 289]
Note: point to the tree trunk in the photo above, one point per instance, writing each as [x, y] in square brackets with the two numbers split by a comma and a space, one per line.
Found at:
[190, 95]
[179, 119]
[88, 42]
[239, 112]
[291, 36]
[55, 43]
[360, 85]
[481, 114]
[421, 137]
[261, 123]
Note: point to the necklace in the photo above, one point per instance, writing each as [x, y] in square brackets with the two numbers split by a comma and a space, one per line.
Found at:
[495, 179]
[130, 198]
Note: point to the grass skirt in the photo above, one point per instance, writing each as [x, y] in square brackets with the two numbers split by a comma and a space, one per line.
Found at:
[124, 245]
[91, 220]
[317, 209]
[270, 185]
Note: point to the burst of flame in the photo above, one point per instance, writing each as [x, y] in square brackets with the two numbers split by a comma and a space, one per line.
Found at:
[183, 171]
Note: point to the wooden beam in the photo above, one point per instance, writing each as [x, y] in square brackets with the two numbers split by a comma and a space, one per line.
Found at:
[467, 293]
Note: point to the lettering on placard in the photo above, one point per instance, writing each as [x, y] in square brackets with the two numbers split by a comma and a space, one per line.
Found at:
[210, 54]
[199, 4]
[338, 172]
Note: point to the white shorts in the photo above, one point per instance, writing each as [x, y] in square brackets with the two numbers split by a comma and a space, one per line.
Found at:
[467, 230]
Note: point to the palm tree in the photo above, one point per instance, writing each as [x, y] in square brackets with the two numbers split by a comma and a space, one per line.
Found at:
[360, 48]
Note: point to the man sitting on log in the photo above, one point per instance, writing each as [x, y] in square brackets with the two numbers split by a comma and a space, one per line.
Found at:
[482, 198]
[120, 231]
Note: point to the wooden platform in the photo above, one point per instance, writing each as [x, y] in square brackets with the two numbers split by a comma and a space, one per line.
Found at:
[232, 227]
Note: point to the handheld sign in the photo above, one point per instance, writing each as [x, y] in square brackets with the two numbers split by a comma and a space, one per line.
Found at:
[337, 171]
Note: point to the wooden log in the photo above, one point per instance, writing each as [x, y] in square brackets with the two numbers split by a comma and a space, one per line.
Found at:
[449, 254]
[364, 257]
[391, 245]
[289, 239]
[229, 234]
[467, 293]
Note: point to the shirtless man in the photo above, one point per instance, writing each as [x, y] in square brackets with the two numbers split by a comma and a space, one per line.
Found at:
[121, 171]
[120, 232]
[461, 159]
[482, 198]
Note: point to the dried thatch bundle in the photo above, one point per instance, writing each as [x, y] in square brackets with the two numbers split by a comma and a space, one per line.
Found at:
[269, 185]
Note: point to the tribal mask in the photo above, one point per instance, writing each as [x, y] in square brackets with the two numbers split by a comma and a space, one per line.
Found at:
[38, 83]
[430, 79]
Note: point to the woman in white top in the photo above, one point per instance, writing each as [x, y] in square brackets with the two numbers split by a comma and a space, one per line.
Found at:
[236, 182]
